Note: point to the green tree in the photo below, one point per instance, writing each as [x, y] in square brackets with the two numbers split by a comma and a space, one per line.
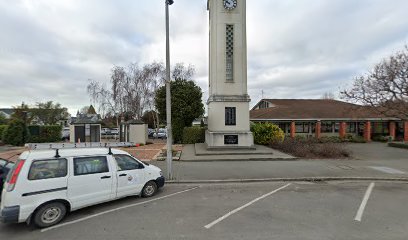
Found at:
[3, 119]
[22, 113]
[150, 118]
[91, 110]
[186, 101]
[16, 133]
[49, 112]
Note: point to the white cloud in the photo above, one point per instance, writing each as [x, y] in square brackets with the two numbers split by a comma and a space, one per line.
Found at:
[296, 48]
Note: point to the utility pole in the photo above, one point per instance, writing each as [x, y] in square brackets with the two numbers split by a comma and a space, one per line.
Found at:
[169, 157]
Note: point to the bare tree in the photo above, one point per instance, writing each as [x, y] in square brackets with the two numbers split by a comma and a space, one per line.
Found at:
[132, 90]
[103, 97]
[182, 72]
[385, 88]
[328, 96]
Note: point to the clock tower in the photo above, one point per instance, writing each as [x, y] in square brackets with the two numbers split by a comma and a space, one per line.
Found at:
[228, 102]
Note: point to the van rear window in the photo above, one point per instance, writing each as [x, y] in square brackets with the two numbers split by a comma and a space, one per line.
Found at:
[46, 169]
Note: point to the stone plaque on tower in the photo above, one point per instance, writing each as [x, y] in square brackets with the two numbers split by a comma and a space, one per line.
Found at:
[228, 102]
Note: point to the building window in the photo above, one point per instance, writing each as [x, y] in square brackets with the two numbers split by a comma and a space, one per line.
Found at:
[337, 127]
[327, 127]
[264, 104]
[230, 116]
[351, 127]
[229, 53]
[380, 128]
[282, 126]
[302, 127]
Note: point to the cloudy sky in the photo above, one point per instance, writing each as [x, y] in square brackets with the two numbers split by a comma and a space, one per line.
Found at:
[296, 48]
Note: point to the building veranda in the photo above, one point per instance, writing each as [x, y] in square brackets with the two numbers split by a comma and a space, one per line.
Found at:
[320, 118]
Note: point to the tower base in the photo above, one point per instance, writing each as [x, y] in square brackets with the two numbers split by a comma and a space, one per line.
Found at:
[229, 140]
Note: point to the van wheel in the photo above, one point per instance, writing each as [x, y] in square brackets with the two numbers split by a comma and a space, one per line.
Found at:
[149, 189]
[49, 214]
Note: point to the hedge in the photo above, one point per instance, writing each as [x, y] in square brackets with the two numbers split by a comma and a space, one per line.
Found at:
[398, 145]
[16, 133]
[2, 130]
[45, 134]
[192, 135]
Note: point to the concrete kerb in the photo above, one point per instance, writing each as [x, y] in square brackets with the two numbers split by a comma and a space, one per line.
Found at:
[300, 179]
[244, 160]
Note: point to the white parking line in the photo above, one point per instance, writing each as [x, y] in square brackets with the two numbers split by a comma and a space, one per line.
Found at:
[114, 210]
[208, 226]
[363, 204]
[387, 170]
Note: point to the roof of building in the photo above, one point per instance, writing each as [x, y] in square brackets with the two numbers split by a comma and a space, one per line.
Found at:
[134, 122]
[7, 111]
[87, 119]
[311, 109]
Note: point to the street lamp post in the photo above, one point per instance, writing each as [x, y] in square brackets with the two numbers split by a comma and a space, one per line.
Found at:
[169, 157]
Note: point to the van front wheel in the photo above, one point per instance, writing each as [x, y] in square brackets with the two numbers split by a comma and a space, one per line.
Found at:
[149, 189]
[49, 214]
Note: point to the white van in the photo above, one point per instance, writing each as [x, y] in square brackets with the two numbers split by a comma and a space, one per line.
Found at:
[45, 185]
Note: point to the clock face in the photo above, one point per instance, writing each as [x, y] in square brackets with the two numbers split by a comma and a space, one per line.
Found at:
[230, 4]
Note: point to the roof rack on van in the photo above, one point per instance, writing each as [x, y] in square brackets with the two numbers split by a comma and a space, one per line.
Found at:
[37, 146]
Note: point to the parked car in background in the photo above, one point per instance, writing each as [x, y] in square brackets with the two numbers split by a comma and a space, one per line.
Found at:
[162, 133]
[150, 132]
[114, 131]
[5, 167]
[105, 131]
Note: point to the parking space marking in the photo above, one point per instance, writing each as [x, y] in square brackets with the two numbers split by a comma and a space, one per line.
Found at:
[116, 209]
[363, 204]
[387, 170]
[208, 226]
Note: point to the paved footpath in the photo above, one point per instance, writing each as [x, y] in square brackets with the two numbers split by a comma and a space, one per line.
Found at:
[372, 161]
[375, 161]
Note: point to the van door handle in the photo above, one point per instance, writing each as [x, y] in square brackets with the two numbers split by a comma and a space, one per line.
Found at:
[105, 177]
[123, 175]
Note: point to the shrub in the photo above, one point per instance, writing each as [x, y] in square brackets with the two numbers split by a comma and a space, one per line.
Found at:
[398, 145]
[380, 138]
[177, 130]
[300, 138]
[311, 148]
[331, 139]
[45, 134]
[192, 135]
[16, 133]
[358, 139]
[2, 130]
[265, 133]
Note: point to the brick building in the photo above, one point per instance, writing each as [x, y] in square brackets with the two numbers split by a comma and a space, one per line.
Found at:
[318, 118]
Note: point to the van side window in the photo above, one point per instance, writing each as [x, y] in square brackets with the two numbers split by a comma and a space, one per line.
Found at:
[90, 165]
[126, 162]
[45, 169]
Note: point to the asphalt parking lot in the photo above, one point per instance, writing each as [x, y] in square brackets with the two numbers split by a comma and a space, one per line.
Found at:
[323, 210]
